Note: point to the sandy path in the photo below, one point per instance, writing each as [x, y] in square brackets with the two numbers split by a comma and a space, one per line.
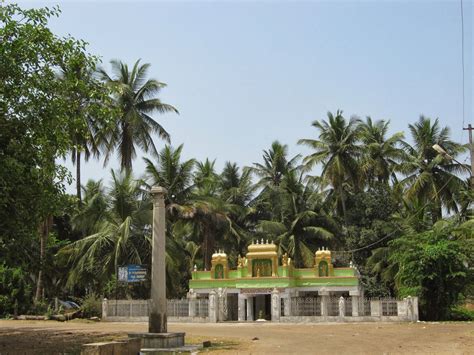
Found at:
[367, 338]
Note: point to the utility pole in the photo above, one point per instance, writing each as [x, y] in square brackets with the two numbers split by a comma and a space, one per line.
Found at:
[471, 148]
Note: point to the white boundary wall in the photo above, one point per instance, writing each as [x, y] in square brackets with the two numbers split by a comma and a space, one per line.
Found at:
[201, 310]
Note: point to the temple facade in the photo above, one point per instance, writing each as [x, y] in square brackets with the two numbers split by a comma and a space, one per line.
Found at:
[263, 288]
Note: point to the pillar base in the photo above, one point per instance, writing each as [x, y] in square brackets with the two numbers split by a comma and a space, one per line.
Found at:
[159, 340]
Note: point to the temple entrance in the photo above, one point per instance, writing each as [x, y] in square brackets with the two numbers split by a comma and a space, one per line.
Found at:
[262, 307]
[232, 307]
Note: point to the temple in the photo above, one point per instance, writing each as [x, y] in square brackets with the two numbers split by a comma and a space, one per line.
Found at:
[262, 288]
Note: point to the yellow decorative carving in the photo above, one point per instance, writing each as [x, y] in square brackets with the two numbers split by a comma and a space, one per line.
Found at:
[284, 259]
[323, 263]
[219, 258]
[263, 250]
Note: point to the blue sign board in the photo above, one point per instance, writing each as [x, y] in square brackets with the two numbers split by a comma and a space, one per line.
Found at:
[131, 273]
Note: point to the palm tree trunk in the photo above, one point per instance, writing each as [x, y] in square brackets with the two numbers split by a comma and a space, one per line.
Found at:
[343, 204]
[43, 232]
[78, 176]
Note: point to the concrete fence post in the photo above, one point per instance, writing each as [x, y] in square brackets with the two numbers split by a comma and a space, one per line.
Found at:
[376, 308]
[105, 306]
[276, 305]
[192, 298]
[324, 302]
[241, 308]
[355, 297]
[287, 306]
[212, 307]
[250, 308]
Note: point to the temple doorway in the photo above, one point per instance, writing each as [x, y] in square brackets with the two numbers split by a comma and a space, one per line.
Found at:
[262, 307]
[232, 307]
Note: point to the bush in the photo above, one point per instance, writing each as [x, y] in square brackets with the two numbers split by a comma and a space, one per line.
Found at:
[460, 313]
[15, 292]
[91, 306]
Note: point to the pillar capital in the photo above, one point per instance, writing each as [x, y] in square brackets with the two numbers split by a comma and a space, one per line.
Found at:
[158, 191]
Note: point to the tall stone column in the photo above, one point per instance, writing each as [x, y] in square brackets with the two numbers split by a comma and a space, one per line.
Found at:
[157, 321]
[250, 308]
[241, 309]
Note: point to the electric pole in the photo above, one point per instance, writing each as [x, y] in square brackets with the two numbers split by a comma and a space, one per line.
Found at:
[471, 148]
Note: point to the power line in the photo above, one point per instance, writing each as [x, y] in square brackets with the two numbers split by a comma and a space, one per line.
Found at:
[462, 64]
[397, 229]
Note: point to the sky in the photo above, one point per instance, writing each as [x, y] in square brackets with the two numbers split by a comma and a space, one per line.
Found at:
[246, 73]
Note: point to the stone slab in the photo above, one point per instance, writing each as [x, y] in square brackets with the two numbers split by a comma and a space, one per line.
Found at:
[159, 340]
[187, 349]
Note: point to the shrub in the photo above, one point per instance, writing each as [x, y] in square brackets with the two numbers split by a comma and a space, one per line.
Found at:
[91, 306]
[460, 313]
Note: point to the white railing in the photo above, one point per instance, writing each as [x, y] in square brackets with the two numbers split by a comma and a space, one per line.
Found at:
[138, 310]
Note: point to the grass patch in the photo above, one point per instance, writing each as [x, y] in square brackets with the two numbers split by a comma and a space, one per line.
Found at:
[216, 343]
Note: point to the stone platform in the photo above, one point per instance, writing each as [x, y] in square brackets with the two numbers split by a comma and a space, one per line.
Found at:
[159, 340]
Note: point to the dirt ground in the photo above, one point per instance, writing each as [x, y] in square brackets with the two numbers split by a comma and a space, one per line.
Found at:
[51, 337]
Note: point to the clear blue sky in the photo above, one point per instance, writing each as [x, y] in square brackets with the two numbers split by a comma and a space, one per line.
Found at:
[243, 74]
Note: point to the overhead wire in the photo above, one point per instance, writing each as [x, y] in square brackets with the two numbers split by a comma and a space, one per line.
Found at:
[396, 230]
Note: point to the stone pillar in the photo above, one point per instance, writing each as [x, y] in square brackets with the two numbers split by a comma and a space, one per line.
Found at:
[157, 322]
[287, 306]
[241, 310]
[250, 308]
[355, 295]
[105, 306]
[411, 305]
[192, 303]
[276, 305]
[221, 305]
[324, 302]
[375, 308]
[342, 307]
[213, 307]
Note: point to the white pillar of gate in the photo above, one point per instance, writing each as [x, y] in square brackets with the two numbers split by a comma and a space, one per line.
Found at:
[276, 305]
[222, 304]
[324, 302]
[192, 296]
[250, 308]
[355, 296]
[241, 307]
[213, 307]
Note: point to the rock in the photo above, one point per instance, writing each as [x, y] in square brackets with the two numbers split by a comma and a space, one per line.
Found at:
[206, 344]
[255, 338]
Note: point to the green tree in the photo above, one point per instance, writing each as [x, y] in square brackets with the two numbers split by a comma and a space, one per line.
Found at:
[172, 173]
[135, 98]
[381, 155]
[36, 118]
[434, 265]
[303, 226]
[120, 235]
[87, 109]
[431, 177]
[338, 151]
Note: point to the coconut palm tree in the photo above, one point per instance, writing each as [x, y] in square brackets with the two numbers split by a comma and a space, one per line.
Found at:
[135, 96]
[431, 177]
[92, 110]
[338, 150]
[275, 165]
[172, 173]
[304, 225]
[122, 235]
[381, 154]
